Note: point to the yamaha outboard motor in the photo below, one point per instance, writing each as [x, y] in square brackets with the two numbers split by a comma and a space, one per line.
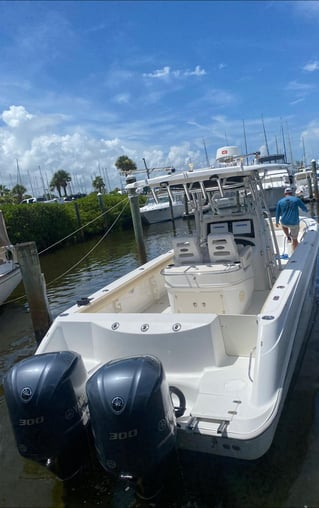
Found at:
[47, 405]
[132, 419]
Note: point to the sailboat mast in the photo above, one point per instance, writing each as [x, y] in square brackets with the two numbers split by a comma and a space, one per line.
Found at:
[206, 154]
[19, 181]
[245, 139]
[283, 141]
[266, 142]
[42, 181]
[289, 142]
[304, 152]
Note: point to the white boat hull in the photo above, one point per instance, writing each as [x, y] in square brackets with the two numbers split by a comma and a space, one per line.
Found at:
[9, 280]
[226, 365]
[161, 213]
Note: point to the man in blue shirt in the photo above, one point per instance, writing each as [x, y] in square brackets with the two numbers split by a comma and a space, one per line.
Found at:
[288, 210]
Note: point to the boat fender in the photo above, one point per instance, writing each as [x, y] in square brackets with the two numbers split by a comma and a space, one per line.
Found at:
[179, 410]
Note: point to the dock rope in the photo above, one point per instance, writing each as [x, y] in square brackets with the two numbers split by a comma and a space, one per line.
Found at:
[89, 252]
[87, 224]
[93, 248]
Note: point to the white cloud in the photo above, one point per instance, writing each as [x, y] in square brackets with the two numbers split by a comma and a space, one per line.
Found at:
[15, 116]
[309, 137]
[166, 72]
[122, 98]
[295, 85]
[159, 73]
[300, 99]
[196, 72]
[36, 141]
[311, 66]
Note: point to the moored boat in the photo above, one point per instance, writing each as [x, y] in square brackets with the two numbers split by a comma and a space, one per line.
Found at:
[305, 185]
[161, 208]
[275, 180]
[10, 274]
[196, 349]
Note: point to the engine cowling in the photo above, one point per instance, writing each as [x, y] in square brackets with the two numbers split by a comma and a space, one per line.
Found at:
[132, 416]
[48, 409]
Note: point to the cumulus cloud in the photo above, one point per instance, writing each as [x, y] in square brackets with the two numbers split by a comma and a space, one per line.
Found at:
[196, 72]
[37, 141]
[159, 73]
[15, 116]
[180, 156]
[311, 66]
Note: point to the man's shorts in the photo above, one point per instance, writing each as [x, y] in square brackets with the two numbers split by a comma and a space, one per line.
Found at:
[293, 230]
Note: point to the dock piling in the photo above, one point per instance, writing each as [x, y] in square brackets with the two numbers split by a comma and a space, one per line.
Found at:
[136, 218]
[34, 286]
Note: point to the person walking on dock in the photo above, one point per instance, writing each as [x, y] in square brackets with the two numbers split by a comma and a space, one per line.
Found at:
[287, 211]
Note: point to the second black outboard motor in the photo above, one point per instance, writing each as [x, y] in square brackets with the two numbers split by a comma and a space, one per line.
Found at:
[47, 404]
[132, 418]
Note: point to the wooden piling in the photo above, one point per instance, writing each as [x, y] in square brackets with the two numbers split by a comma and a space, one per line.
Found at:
[315, 179]
[137, 221]
[78, 218]
[34, 286]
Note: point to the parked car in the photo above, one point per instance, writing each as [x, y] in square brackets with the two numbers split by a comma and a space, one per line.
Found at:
[41, 200]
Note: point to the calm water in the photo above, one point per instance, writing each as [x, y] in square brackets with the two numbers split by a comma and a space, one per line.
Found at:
[287, 476]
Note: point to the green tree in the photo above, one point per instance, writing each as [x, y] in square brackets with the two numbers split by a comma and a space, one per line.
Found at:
[98, 184]
[125, 165]
[18, 192]
[5, 194]
[60, 181]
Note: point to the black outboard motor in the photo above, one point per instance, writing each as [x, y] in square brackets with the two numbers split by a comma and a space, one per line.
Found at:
[132, 418]
[48, 410]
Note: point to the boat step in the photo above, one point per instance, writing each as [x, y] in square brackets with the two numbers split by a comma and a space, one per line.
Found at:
[219, 427]
[215, 407]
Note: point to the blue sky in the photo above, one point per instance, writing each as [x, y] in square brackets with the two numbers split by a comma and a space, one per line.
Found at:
[83, 82]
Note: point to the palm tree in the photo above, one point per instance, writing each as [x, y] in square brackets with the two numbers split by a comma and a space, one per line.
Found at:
[5, 195]
[4, 190]
[98, 184]
[18, 192]
[60, 181]
[125, 165]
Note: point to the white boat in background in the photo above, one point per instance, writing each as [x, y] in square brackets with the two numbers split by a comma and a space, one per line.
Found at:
[275, 180]
[304, 183]
[10, 274]
[196, 349]
[275, 173]
[161, 207]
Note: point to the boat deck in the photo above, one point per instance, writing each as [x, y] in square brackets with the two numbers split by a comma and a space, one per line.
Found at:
[257, 301]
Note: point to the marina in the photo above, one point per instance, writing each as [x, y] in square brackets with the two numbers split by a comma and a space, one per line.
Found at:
[159, 242]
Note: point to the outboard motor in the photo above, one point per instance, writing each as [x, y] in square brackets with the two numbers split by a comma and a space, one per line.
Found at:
[132, 419]
[48, 410]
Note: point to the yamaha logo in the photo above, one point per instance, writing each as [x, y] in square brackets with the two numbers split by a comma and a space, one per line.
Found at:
[117, 404]
[26, 393]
